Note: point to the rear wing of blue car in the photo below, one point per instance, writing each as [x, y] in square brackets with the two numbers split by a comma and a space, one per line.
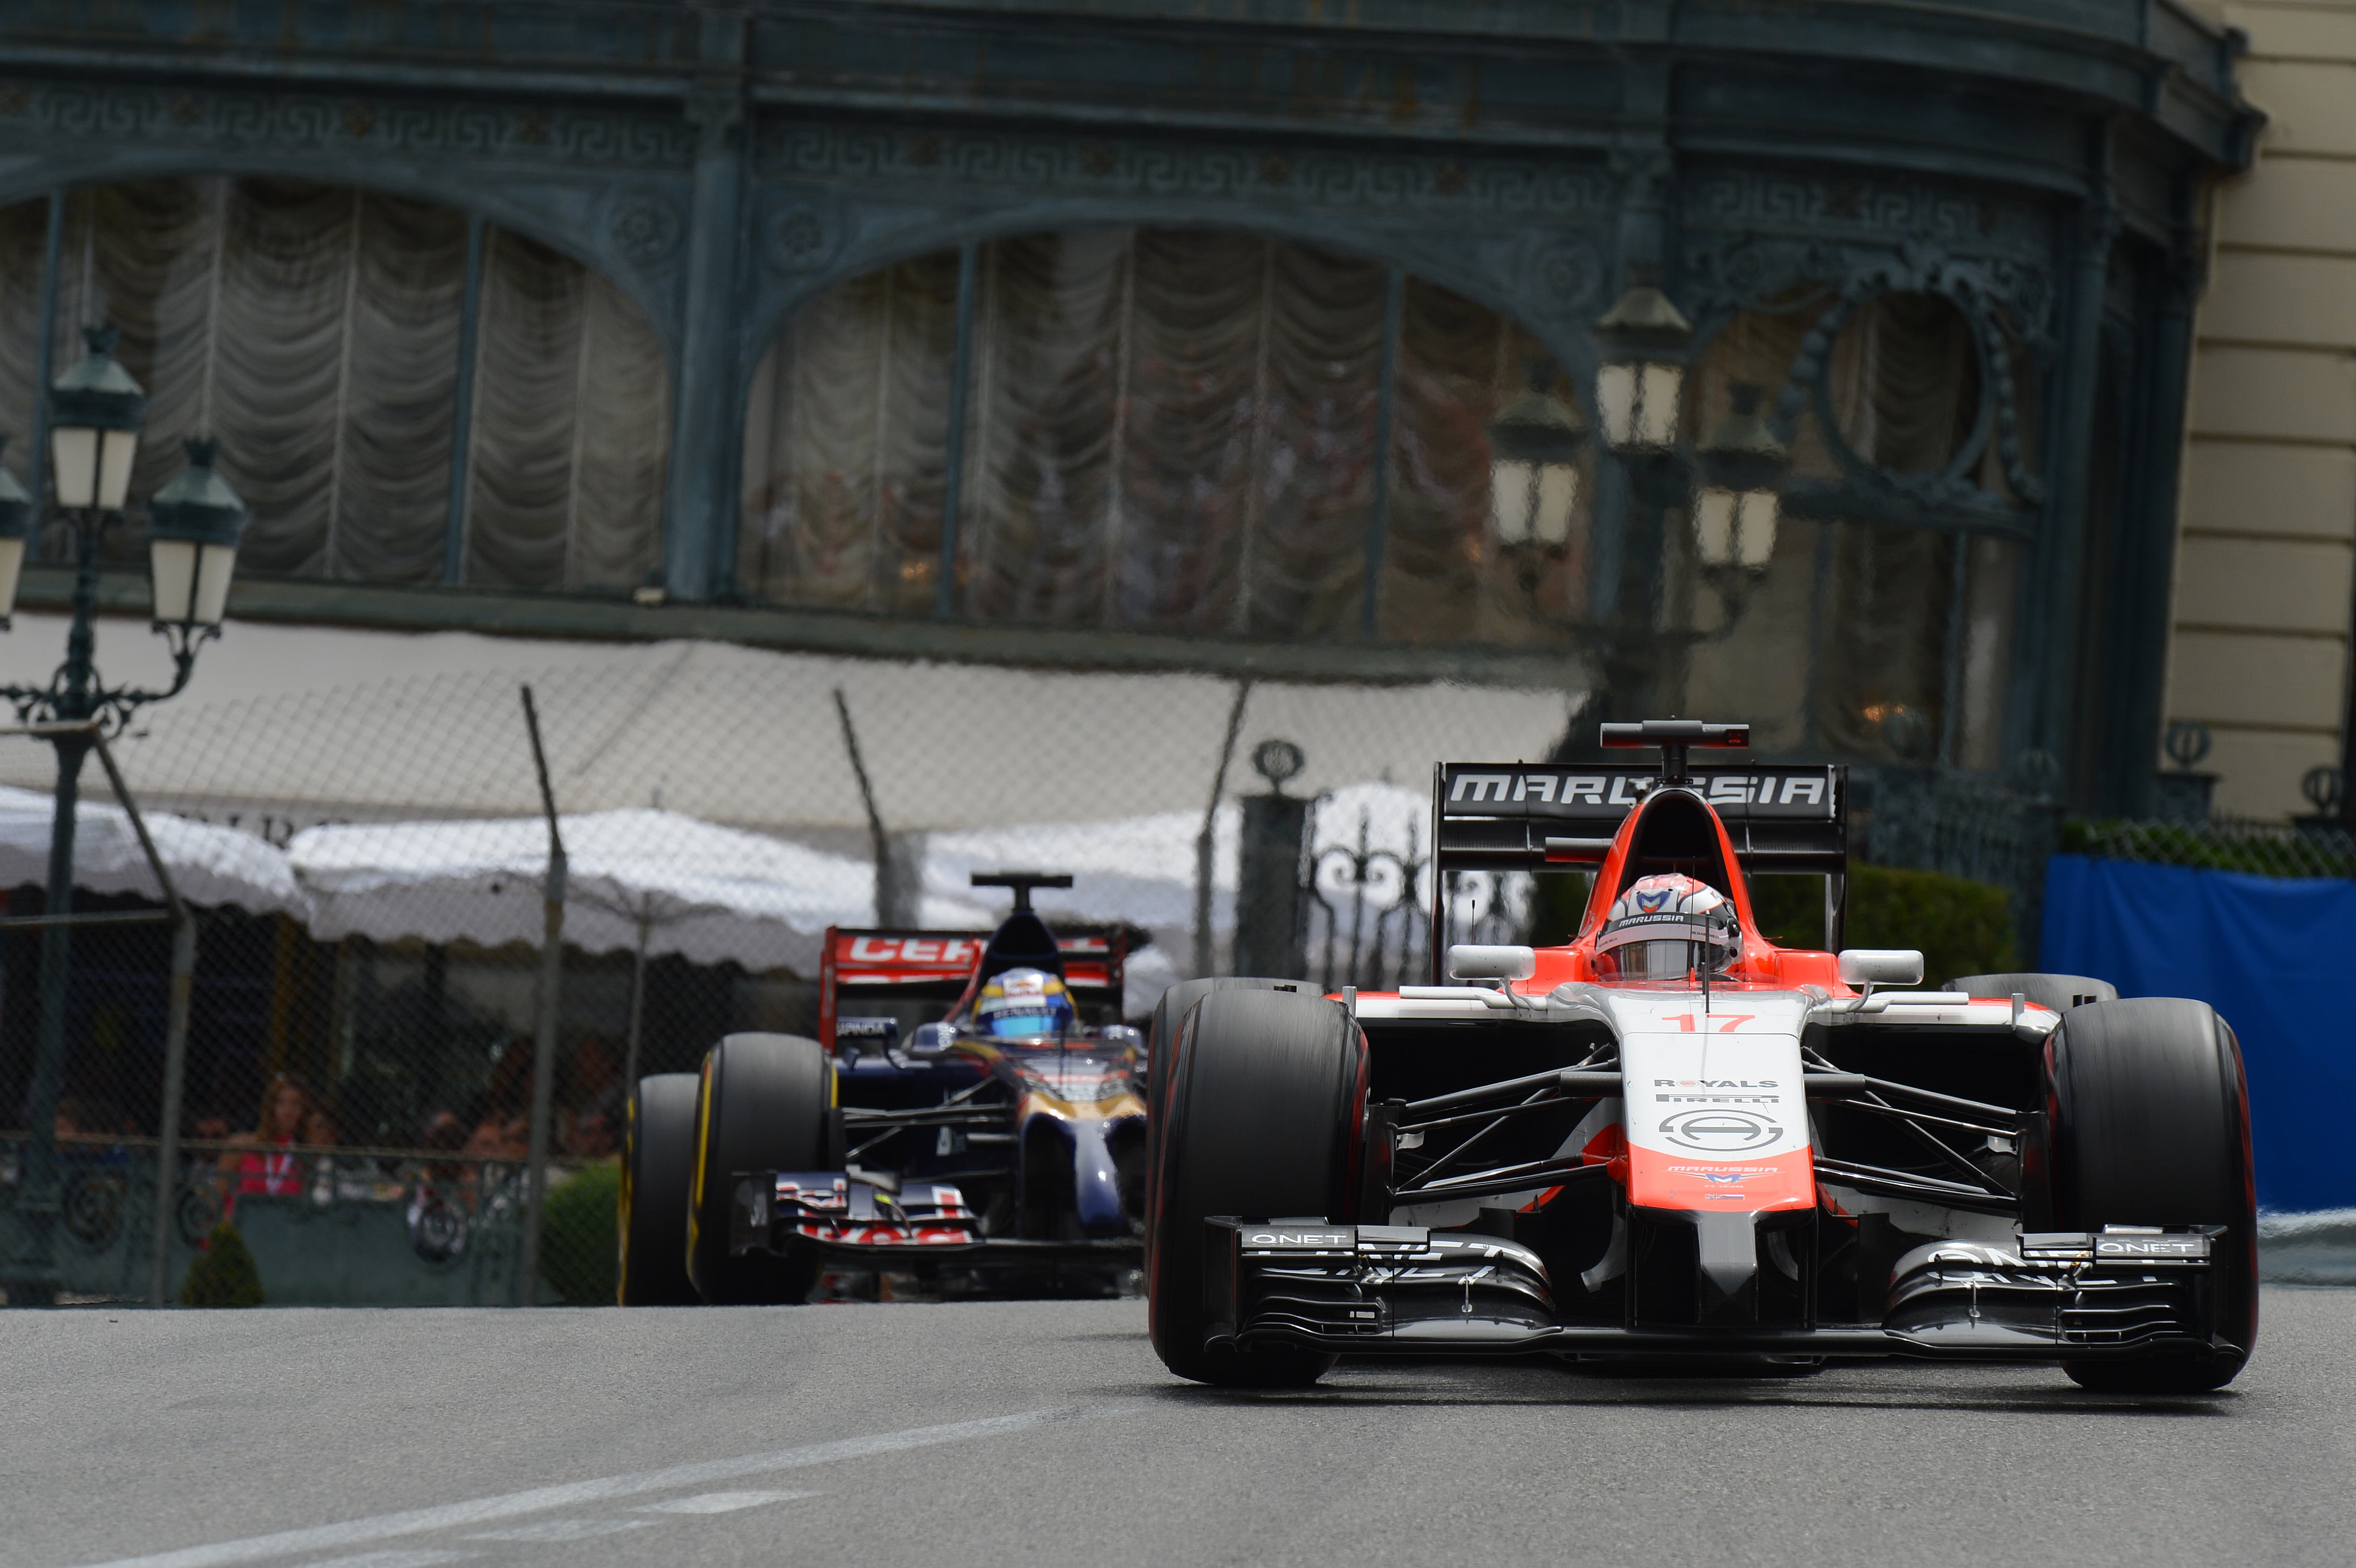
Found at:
[905, 965]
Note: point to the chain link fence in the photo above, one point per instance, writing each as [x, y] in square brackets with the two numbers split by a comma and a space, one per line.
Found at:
[369, 865]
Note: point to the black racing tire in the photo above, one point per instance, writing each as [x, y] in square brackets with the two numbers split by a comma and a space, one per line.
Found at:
[2059, 992]
[1266, 1100]
[764, 1102]
[1162, 1047]
[2147, 1123]
[658, 1173]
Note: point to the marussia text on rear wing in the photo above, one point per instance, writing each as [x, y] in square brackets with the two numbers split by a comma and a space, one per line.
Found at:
[1514, 817]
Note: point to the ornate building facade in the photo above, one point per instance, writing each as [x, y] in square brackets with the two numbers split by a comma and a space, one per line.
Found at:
[1112, 335]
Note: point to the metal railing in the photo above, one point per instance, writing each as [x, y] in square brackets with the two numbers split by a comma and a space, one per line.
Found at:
[1971, 825]
[326, 1226]
[1369, 909]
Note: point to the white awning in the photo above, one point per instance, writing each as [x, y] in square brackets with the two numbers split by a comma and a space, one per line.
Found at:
[209, 866]
[751, 738]
[710, 895]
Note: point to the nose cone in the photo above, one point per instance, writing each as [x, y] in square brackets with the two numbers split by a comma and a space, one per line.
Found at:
[1726, 1271]
[1096, 1184]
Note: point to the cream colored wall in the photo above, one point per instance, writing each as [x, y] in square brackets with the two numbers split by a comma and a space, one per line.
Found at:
[2268, 522]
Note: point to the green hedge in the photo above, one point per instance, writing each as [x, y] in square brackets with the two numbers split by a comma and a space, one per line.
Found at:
[578, 1246]
[1961, 928]
[224, 1273]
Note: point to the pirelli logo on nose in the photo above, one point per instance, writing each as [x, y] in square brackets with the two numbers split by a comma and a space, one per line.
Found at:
[1609, 794]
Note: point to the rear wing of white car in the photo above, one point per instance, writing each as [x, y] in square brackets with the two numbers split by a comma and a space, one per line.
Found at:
[1504, 817]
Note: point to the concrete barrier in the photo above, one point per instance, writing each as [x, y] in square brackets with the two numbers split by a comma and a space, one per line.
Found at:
[2318, 1249]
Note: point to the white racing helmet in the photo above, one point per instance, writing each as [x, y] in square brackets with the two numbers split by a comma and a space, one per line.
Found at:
[1666, 928]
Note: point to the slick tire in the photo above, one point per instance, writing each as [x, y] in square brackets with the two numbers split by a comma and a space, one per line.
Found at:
[658, 1173]
[2059, 992]
[2147, 1123]
[1161, 1049]
[762, 1103]
[1265, 1102]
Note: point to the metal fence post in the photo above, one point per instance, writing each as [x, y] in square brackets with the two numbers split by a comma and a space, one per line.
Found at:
[543, 1050]
[176, 1076]
[1272, 916]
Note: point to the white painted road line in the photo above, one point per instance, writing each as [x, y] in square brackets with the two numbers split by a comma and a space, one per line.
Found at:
[575, 1494]
[426, 1558]
[718, 1502]
[563, 1530]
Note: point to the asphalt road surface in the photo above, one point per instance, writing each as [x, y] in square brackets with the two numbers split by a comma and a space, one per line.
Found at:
[1047, 1433]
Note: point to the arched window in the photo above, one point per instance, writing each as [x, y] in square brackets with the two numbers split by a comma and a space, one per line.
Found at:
[319, 331]
[1168, 429]
[1884, 624]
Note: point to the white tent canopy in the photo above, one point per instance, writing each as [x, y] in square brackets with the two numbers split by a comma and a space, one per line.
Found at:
[710, 895]
[209, 866]
[751, 739]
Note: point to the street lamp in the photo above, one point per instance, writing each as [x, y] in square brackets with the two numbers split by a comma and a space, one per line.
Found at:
[1735, 506]
[1642, 342]
[193, 527]
[1726, 487]
[94, 413]
[1533, 446]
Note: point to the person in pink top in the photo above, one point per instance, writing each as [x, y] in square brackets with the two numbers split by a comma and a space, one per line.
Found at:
[267, 1163]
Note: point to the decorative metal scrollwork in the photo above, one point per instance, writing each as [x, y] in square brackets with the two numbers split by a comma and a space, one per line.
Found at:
[2006, 302]
[92, 1207]
[437, 1227]
[195, 1213]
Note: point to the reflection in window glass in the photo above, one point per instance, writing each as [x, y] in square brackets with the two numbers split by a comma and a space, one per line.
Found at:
[1904, 380]
[846, 436]
[1172, 430]
[1883, 690]
[1452, 571]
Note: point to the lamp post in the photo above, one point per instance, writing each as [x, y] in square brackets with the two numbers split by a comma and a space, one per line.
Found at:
[1737, 502]
[1534, 446]
[1641, 343]
[1729, 484]
[94, 416]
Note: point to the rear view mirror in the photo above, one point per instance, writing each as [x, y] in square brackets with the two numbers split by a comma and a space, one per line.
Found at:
[1880, 966]
[931, 1039]
[1467, 961]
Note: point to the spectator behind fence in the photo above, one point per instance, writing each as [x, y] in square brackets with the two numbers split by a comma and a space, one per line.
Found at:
[591, 1136]
[265, 1163]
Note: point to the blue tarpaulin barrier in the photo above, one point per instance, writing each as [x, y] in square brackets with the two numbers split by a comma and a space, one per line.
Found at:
[2275, 956]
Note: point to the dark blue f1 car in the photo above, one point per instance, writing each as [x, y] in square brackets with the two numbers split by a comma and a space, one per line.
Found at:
[1005, 1140]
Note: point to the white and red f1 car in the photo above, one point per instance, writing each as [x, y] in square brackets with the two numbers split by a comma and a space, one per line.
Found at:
[1789, 1158]
[902, 1140]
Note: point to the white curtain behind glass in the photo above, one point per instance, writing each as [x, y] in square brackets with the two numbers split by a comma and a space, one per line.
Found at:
[23, 236]
[316, 330]
[1168, 429]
